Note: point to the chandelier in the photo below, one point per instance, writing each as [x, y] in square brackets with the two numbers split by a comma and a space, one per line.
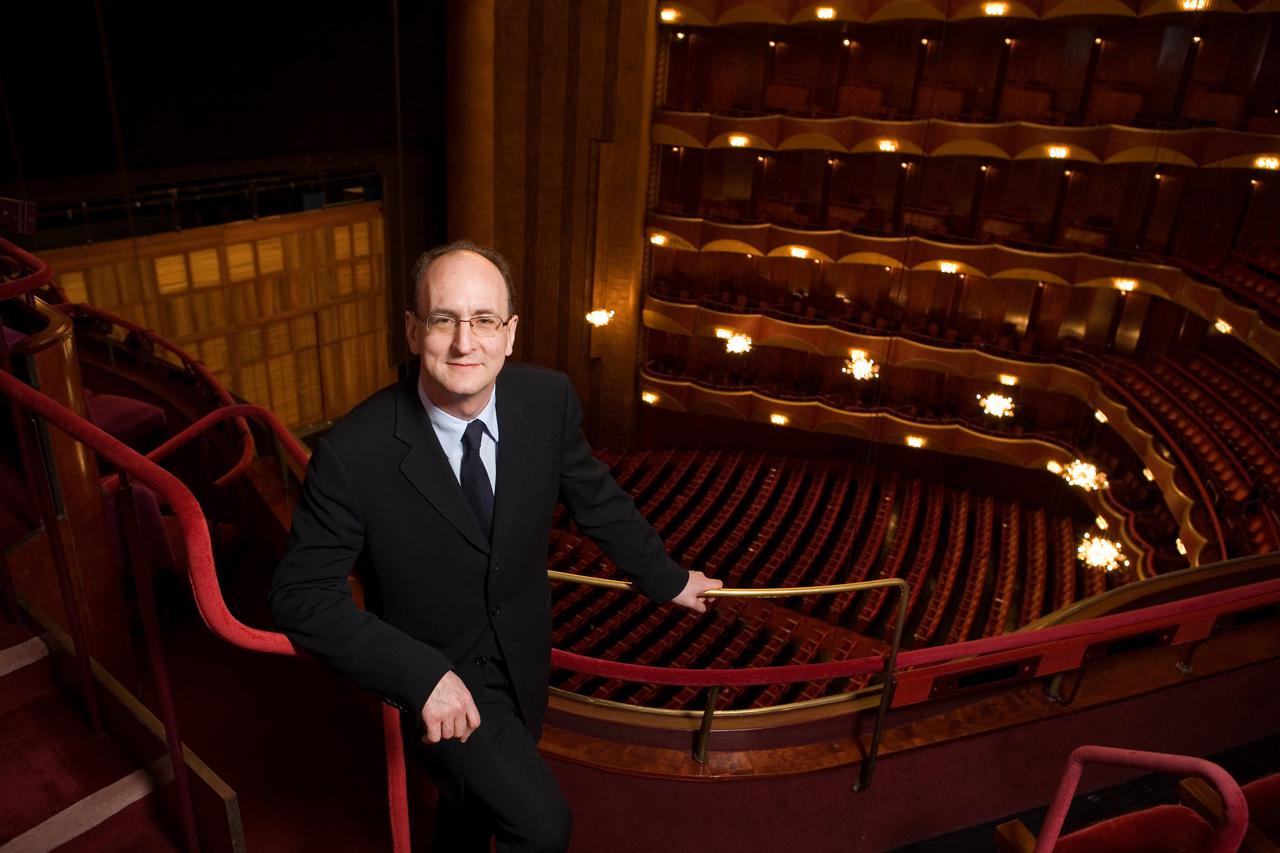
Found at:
[996, 405]
[734, 342]
[859, 366]
[1084, 475]
[1101, 553]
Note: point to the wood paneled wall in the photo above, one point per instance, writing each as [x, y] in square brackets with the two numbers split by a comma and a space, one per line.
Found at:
[289, 312]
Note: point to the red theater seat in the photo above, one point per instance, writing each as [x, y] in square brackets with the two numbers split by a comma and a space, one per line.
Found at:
[124, 418]
[1263, 797]
[1161, 829]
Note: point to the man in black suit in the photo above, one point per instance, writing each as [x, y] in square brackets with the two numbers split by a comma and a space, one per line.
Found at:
[443, 488]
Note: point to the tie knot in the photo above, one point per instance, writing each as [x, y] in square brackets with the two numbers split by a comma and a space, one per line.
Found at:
[473, 436]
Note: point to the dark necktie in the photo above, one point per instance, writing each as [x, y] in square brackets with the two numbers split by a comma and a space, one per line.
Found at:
[475, 482]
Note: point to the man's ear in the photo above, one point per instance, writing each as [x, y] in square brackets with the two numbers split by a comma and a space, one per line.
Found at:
[411, 332]
[511, 332]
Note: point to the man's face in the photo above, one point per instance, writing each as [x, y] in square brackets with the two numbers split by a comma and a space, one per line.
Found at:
[459, 369]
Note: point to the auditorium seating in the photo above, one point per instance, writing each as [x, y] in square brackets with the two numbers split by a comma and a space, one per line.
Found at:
[1263, 799]
[1166, 828]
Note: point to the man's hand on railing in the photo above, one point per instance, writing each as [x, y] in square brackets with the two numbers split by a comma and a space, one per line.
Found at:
[690, 596]
[450, 711]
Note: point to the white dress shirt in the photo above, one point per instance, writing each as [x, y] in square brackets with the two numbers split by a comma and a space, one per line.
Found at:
[450, 429]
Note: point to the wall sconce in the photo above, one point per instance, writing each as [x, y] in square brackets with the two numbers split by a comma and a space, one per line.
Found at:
[825, 13]
[668, 15]
[995, 9]
[658, 239]
[888, 145]
[778, 419]
[1124, 284]
[648, 398]
[1059, 152]
[738, 141]
[916, 441]
[599, 317]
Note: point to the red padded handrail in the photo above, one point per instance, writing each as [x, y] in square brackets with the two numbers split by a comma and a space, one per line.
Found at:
[1235, 820]
[39, 276]
[195, 366]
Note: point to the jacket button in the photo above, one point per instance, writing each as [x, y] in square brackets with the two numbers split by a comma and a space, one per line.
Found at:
[495, 609]
[481, 661]
[497, 567]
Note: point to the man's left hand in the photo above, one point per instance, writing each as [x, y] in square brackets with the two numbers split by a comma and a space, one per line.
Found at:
[690, 596]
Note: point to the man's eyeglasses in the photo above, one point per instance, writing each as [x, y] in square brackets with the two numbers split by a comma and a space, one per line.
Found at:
[482, 325]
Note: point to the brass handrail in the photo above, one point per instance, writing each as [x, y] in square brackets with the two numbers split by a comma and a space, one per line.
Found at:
[702, 742]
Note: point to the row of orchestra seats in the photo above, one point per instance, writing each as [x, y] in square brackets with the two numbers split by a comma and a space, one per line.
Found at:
[755, 520]
[1257, 289]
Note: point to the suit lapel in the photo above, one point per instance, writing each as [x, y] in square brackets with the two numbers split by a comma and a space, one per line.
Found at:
[426, 467]
[515, 450]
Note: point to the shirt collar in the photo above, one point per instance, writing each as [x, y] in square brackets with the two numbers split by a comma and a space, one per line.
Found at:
[447, 426]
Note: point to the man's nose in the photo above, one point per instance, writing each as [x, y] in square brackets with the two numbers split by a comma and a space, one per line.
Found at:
[463, 339]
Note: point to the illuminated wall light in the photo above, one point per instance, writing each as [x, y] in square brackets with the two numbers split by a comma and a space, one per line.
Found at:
[760, 158]
[1158, 176]
[1099, 416]
[995, 9]
[924, 42]
[680, 35]
[1059, 152]
[737, 344]
[1146, 472]
[1196, 39]
[779, 420]
[1267, 162]
[738, 141]
[1054, 467]
[1195, 5]
[996, 405]
[825, 13]
[847, 42]
[904, 164]
[888, 145]
[599, 317]
[1125, 284]
[658, 239]
[1008, 379]
[1098, 40]
[915, 441]
[1066, 172]
[1008, 41]
[799, 252]
[949, 267]
[1222, 326]
[668, 15]
[649, 398]
[1101, 522]
[1182, 549]
[675, 149]
[983, 168]
[772, 43]
[722, 332]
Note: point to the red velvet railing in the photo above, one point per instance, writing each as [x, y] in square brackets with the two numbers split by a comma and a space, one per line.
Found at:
[37, 278]
[193, 366]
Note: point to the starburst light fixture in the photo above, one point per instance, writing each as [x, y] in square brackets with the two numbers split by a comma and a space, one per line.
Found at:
[734, 342]
[1101, 553]
[599, 317]
[996, 405]
[648, 397]
[1084, 475]
[860, 366]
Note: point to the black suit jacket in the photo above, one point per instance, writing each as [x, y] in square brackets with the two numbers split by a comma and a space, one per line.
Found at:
[380, 491]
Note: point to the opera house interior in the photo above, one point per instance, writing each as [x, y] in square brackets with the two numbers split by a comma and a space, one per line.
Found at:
[945, 333]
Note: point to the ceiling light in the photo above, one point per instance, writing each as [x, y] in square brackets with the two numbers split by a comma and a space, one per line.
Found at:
[1084, 475]
[860, 366]
[1101, 553]
[737, 344]
[996, 405]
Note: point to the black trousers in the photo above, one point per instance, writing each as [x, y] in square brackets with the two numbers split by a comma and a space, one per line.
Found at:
[496, 783]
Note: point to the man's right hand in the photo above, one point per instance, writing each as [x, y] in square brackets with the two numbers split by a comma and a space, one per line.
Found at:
[450, 711]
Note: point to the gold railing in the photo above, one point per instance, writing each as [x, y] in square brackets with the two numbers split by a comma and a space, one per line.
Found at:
[886, 688]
